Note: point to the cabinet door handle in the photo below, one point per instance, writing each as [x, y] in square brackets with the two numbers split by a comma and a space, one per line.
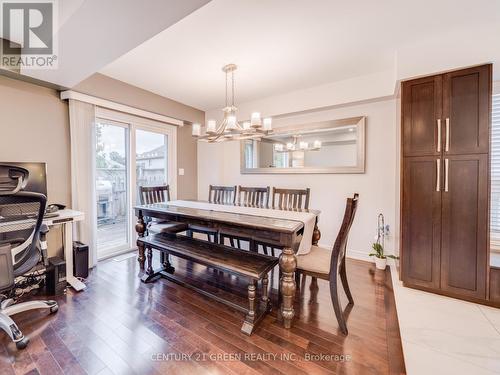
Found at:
[438, 174]
[446, 168]
[447, 147]
[439, 135]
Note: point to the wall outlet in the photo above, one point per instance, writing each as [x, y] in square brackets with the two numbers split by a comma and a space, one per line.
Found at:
[181, 171]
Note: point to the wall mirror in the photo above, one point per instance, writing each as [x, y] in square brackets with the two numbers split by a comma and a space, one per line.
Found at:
[335, 146]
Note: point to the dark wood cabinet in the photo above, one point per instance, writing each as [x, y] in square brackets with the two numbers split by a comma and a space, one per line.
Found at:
[422, 106]
[467, 111]
[464, 229]
[445, 183]
[495, 285]
[421, 221]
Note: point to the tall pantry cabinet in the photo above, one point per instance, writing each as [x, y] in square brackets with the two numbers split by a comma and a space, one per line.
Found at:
[445, 182]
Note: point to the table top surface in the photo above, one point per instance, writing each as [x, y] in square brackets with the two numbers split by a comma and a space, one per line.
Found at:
[237, 219]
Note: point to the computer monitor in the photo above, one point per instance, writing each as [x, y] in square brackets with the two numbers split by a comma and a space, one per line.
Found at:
[37, 181]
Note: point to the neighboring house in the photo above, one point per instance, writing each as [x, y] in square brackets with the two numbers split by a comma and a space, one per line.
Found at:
[150, 167]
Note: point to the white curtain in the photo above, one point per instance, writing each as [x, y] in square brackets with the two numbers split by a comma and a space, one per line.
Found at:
[82, 134]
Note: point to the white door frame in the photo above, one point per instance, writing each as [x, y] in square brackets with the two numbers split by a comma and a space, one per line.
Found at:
[135, 123]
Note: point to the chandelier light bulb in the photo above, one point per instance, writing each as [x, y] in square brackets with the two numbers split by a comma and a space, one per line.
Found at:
[246, 125]
[317, 144]
[303, 145]
[196, 130]
[255, 121]
[211, 126]
[290, 146]
[278, 146]
[267, 124]
[231, 122]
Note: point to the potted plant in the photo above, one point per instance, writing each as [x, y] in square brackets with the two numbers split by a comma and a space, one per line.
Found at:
[380, 257]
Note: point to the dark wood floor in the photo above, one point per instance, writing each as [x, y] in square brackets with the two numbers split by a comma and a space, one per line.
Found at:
[121, 326]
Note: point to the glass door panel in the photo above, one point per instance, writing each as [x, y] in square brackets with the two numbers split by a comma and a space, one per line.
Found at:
[111, 186]
[150, 159]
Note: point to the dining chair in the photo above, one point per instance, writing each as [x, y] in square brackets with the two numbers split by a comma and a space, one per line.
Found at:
[217, 195]
[286, 199]
[290, 199]
[253, 196]
[329, 265]
[159, 194]
[222, 194]
[249, 197]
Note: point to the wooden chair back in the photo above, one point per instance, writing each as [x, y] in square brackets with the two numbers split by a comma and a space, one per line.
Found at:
[291, 199]
[222, 194]
[154, 194]
[253, 196]
[339, 248]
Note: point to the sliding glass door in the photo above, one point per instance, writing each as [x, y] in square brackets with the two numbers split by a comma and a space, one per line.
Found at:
[112, 175]
[129, 152]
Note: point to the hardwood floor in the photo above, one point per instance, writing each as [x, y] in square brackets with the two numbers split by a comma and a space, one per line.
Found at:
[119, 325]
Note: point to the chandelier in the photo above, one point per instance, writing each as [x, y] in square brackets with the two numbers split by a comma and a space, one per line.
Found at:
[297, 145]
[230, 129]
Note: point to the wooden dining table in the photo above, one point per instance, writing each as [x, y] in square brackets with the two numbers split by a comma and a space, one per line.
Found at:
[282, 233]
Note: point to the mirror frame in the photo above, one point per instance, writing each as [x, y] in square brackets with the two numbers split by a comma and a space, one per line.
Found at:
[360, 122]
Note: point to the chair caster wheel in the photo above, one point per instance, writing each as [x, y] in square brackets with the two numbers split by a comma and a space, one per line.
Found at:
[22, 344]
[54, 309]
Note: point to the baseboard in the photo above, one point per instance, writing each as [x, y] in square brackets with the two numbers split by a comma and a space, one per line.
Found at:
[359, 255]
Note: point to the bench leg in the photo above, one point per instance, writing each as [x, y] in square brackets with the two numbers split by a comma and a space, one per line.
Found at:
[165, 262]
[265, 304]
[248, 324]
[150, 274]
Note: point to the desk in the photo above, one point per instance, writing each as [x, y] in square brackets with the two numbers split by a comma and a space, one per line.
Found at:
[66, 218]
[283, 233]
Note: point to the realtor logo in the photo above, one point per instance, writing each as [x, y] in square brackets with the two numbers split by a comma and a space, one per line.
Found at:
[28, 34]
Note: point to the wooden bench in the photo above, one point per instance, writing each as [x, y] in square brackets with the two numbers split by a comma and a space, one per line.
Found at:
[254, 267]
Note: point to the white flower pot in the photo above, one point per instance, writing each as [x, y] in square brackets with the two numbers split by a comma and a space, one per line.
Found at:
[380, 263]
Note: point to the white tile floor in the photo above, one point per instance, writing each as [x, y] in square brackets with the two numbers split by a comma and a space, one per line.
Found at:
[442, 335]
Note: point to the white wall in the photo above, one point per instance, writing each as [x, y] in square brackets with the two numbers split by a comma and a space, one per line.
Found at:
[220, 164]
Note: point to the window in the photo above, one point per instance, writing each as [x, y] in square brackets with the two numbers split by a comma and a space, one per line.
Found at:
[151, 159]
[129, 151]
[495, 174]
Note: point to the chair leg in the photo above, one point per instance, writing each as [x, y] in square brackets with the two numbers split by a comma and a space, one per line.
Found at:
[265, 302]
[297, 278]
[165, 262]
[280, 275]
[264, 249]
[336, 303]
[345, 284]
[11, 328]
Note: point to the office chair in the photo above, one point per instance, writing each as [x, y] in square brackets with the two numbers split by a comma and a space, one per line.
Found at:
[21, 216]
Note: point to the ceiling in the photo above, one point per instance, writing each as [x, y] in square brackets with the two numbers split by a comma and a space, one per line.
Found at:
[92, 33]
[286, 45]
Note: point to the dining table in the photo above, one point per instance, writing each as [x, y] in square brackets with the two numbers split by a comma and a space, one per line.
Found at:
[278, 228]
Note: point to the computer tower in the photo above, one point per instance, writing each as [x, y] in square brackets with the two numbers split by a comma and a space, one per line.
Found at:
[55, 278]
[80, 260]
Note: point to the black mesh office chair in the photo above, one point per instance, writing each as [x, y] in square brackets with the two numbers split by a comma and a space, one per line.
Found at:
[21, 216]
